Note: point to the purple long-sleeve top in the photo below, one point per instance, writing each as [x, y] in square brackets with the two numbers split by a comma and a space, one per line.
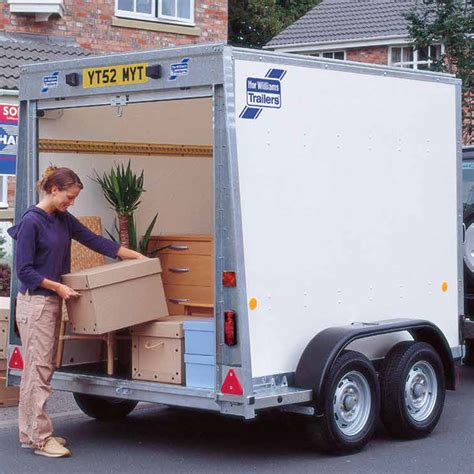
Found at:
[43, 248]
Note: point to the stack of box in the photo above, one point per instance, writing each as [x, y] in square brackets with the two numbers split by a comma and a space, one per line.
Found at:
[4, 318]
[158, 350]
[200, 353]
[116, 296]
[8, 395]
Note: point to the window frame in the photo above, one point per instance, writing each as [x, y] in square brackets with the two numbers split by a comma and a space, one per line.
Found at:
[416, 62]
[156, 15]
[134, 14]
[176, 20]
[320, 54]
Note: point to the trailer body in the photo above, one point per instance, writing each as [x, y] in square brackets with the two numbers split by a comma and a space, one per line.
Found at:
[336, 200]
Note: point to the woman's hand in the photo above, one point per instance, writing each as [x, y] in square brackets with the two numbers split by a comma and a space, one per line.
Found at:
[127, 254]
[65, 292]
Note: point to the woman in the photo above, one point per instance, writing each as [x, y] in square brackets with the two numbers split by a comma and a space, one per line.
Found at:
[43, 254]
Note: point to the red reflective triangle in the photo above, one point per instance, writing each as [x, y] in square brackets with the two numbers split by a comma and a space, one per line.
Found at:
[231, 384]
[16, 360]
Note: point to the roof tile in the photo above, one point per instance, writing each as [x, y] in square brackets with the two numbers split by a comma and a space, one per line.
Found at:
[336, 20]
[19, 49]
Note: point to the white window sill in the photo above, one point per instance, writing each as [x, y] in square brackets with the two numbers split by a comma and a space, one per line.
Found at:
[153, 25]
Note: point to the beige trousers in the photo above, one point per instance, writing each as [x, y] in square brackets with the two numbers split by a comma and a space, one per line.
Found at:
[38, 318]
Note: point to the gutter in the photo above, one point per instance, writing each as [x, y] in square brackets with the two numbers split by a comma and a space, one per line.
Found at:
[340, 44]
[8, 92]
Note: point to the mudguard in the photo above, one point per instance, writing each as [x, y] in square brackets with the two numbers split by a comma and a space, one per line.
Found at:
[321, 352]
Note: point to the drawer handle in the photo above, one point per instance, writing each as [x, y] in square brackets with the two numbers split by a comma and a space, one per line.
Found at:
[178, 300]
[149, 345]
[179, 247]
[179, 270]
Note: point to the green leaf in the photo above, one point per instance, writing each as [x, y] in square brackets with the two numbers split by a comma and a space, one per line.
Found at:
[146, 237]
[112, 237]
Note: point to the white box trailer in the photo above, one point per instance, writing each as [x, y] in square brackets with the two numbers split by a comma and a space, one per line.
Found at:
[333, 192]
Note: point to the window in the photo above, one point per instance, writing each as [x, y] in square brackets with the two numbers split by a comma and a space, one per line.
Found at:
[172, 11]
[331, 55]
[3, 191]
[468, 183]
[410, 58]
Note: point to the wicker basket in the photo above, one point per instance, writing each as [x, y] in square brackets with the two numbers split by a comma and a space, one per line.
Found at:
[81, 256]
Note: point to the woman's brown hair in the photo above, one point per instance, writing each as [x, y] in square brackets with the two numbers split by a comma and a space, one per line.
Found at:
[62, 178]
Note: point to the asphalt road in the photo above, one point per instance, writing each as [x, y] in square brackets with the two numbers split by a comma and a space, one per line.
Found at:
[161, 440]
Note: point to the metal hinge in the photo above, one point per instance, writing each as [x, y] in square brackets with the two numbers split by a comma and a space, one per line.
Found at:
[119, 101]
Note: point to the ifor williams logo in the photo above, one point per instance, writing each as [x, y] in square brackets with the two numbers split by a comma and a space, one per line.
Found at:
[263, 93]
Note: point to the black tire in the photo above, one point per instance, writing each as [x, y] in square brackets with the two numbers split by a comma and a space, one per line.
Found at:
[468, 220]
[407, 367]
[103, 408]
[469, 357]
[325, 429]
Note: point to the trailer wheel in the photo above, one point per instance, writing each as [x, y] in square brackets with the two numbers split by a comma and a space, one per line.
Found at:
[412, 390]
[468, 219]
[104, 408]
[350, 405]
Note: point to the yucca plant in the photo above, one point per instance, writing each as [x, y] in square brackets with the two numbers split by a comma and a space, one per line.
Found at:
[142, 245]
[122, 189]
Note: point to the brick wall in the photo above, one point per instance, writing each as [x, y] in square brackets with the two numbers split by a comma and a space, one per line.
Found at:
[89, 23]
[374, 55]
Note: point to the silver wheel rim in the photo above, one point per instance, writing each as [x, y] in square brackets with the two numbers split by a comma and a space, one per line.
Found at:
[351, 404]
[469, 248]
[421, 391]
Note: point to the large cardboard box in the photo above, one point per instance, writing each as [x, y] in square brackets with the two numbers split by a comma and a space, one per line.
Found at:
[4, 317]
[4, 308]
[116, 296]
[9, 396]
[158, 350]
[3, 339]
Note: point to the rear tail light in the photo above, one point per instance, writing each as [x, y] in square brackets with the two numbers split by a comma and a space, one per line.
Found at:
[229, 279]
[230, 333]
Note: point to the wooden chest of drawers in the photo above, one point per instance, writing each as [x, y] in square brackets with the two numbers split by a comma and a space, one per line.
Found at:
[187, 269]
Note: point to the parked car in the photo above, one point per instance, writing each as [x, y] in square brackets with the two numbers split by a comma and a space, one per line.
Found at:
[468, 215]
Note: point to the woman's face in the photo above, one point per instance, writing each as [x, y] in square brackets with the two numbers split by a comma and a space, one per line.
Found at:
[62, 200]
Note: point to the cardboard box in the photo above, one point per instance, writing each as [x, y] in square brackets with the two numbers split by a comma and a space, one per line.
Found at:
[3, 339]
[9, 396]
[4, 318]
[200, 337]
[200, 370]
[158, 350]
[4, 308]
[116, 296]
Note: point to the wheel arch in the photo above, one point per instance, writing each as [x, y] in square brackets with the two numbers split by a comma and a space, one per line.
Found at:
[321, 352]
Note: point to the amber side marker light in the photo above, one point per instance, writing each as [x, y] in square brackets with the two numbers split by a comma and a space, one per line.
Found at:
[230, 333]
[229, 279]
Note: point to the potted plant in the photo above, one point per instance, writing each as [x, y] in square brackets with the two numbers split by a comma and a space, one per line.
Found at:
[122, 189]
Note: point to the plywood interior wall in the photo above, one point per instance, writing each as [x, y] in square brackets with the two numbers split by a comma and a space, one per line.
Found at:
[179, 188]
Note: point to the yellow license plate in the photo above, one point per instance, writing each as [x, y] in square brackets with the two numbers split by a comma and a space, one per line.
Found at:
[120, 75]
